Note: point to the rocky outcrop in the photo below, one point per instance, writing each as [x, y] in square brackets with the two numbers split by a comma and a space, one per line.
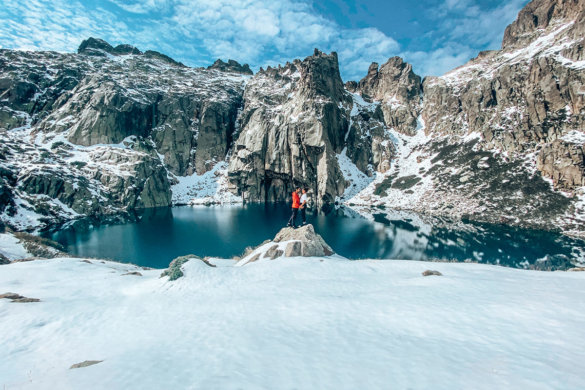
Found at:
[564, 162]
[17, 298]
[293, 125]
[398, 88]
[106, 130]
[231, 66]
[525, 97]
[303, 242]
[538, 15]
[289, 242]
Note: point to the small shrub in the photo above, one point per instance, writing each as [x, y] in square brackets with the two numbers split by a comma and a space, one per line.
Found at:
[174, 271]
[79, 164]
[57, 144]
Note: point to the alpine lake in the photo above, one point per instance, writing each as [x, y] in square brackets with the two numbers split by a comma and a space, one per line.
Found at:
[154, 237]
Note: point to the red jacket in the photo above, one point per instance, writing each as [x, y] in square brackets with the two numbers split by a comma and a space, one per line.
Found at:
[296, 200]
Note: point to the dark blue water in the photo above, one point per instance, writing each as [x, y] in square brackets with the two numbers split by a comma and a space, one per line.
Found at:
[157, 236]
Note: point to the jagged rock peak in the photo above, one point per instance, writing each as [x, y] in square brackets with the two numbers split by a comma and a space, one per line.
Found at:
[90, 45]
[160, 56]
[96, 46]
[395, 84]
[539, 15]
[384, 80]
[231, 66]
[99, 47]
[320, 75]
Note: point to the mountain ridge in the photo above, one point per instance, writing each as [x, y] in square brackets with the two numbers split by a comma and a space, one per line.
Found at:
[499, 139]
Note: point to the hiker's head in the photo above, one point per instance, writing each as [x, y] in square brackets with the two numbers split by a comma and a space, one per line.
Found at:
[298, 189]
[305, 190]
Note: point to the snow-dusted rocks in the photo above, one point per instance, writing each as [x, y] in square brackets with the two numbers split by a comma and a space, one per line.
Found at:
[24, 246]
[289, 242]
[293, 125]
[398, 89]
[112, 129]
[303, 241]
[107, 130]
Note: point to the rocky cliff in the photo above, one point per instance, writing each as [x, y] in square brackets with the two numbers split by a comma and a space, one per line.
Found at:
[499, 139]
[107, 129]
[293, 124]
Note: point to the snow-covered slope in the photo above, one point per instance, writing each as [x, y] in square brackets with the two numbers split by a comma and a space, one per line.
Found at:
[12, 248]
[323, 323]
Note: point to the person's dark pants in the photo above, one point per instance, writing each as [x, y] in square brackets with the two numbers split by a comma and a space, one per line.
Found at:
[304, 214]
[293, 218]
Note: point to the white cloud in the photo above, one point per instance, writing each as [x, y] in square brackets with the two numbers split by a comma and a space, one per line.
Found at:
[258, 32]
[59, 25]
[142, 6]
[463, 29]
[441, 60]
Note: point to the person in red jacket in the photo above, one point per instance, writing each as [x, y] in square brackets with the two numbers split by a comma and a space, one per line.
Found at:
[296, 203]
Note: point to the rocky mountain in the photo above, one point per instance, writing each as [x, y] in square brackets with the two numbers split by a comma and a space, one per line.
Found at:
[112, 129]
[106, 130]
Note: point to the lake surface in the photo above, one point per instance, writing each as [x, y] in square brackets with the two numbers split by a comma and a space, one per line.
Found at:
[157, 236]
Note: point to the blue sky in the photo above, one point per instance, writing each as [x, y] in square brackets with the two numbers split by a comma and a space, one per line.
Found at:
[434, 35]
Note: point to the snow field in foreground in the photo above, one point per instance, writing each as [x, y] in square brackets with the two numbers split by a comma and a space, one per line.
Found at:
[303, 323]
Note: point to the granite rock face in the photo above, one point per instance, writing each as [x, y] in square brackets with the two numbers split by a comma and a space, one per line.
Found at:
[107, 130]
[399, 90]
[524, 98]
[112, 129]
[289, 242]
[293, 125]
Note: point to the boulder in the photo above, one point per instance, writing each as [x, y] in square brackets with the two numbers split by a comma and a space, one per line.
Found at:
[311, 243]
[134, 273]
[85, 363]
[17, 298]
[289, 242]
[431, 273]
[273, 252]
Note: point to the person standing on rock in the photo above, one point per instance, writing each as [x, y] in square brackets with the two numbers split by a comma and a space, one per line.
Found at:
[304, 200]
[296, 203]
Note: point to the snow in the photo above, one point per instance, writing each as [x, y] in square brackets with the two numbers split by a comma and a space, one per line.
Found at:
[574, 137]
[351, 173]
[11, 248]
[360, 104]
[550, 43]
[25, 216]
[304, 323]
[410, 158]
[210, 187]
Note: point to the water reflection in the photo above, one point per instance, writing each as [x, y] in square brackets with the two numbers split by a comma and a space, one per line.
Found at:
[156, 236]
